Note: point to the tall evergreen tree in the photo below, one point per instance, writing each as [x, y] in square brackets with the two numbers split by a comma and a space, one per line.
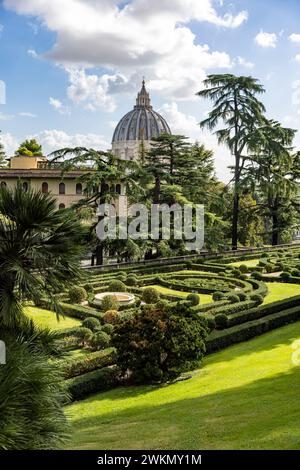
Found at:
[3, 162]
[235, 104]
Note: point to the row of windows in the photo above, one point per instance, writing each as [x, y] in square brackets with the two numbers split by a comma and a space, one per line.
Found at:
[62, 188]
[45, 187]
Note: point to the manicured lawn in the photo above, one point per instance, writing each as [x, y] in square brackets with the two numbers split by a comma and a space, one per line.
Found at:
[280, 291]
[204, 298]
[250, 263]
[245, 397]
[47, 319]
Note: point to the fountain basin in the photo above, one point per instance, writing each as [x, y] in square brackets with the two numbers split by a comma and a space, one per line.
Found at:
[123, 298]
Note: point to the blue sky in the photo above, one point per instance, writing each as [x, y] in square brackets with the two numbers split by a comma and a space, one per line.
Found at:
[72, 68]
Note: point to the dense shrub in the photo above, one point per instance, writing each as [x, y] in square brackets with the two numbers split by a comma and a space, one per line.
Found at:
[257, 298]
[218, 296]
[285, 275]
[233, 298]
[107, 328]
[99, 340]
[150, 295]
[77, 294]
[257, 275]
[157, 345]
[242, 296]
[109, 302]
[117, 286]
[132, 280]
[295, 272]
[244, 268]
[221, 321]
[91, 323]
[89, 289]
[193, 299]
[111, 316]
[84, 335]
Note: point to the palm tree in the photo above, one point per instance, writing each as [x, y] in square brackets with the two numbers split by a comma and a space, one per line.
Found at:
[39, 249]
[235, 104]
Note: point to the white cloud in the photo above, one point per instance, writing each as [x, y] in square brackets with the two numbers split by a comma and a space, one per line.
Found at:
[297, 57]
[6, 117]
[295, 38]
[10, 143]
[128, 40]
[266, 39]
[27, 114]
[58, 105]
[188, 125]
[55, 139]
[245, 63]
[1, 28]
[32, 53]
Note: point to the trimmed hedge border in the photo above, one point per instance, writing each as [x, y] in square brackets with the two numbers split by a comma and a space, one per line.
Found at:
[93, 382]
[237, 334]
[73, 367]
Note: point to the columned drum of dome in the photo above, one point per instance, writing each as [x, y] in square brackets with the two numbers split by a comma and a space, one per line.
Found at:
[138, 126]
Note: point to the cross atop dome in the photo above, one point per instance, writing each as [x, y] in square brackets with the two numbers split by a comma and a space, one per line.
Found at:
[143, 98]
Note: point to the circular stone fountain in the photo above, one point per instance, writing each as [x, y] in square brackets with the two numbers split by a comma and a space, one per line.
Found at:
[123, 298]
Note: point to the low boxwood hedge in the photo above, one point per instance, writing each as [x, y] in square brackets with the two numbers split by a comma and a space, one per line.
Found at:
[246, 331]
[73, 367]
[93, 382]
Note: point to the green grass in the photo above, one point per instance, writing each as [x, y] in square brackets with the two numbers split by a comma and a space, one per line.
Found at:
[204, 298]
[280, 291]
[245, 397]
[250, 263]
[47, 319]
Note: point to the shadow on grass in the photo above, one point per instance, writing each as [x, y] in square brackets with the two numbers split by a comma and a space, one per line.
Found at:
[264, 414]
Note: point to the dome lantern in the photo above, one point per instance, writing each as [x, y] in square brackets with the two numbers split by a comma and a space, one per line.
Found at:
[141, 124]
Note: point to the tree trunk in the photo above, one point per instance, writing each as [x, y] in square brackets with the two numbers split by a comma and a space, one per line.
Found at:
[236, 203]
[275, 233]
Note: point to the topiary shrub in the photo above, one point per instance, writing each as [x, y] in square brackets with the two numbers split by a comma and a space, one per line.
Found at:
[117, 286]
[107, 328]
[188, 264]
[233, 298]
[295, 272]
[77, 294]
[84, 335]
[99, 340]
[285, 275]
[243, 268]
[150, 295]
[257, 298]
[217, 296]
[269, 268]
[221, 321]
[89, 289]
[242, 296]
[121, 275]
[256, 275]
[111, 316]
[193, 299]
[211, 322]
[132, 280]
[91, 323]
[109, 302]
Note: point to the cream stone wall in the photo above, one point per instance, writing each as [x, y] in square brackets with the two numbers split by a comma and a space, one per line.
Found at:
[130, 149]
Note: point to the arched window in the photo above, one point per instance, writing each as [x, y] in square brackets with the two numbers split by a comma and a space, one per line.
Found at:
[3, 184]
[61, 206]
[25, 186]
[105, 188]
[118, 189]
[62, 188]
[78, 188]
[44, 187]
